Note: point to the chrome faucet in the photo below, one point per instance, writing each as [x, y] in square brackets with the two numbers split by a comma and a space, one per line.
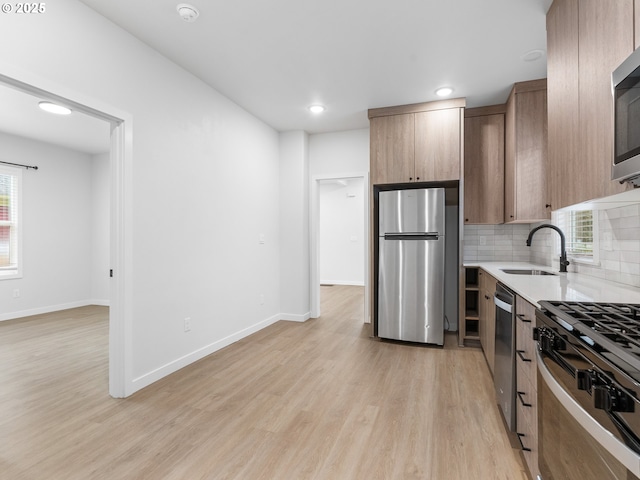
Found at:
[563, 252]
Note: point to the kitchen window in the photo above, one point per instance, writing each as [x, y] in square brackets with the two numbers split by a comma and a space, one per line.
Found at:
[581, 231]
[10, 186]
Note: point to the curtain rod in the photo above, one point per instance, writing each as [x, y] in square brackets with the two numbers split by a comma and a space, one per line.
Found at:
[19, 165]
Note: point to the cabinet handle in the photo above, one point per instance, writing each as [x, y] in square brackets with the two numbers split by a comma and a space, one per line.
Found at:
[520, 435]
[417, 178]
[523, 318]
[524, 404]
[466, 219]
[510, 216]
[522, 357]
[548, 205]
[410, 178]
[486, 297]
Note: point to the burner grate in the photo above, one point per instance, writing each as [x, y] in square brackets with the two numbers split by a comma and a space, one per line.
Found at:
[616, 322]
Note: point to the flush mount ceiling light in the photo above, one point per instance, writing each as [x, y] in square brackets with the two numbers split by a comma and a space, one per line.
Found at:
[317, 108]
[444, 91]
[532, 55]
[54, 108]
[187, 12]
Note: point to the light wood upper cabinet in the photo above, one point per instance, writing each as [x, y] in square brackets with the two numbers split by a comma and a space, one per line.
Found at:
[484, 165]
[606, 34]
[392, 152]
[437, 154]
[416, 143]
[525, 189]
[562, 100]
[586, 41]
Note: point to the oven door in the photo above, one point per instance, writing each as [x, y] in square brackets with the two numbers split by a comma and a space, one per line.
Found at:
[572, 444]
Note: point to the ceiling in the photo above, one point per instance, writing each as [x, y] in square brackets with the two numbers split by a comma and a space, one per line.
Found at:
[21, 116]
[275, 58]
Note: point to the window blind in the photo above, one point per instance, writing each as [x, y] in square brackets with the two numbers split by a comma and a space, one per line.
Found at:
[9, 207]
[578, 227]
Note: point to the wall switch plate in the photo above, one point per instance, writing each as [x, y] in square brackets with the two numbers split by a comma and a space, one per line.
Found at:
[261, 299]
[482, 240]
[187, 324]
[16, 293]
[261, 238]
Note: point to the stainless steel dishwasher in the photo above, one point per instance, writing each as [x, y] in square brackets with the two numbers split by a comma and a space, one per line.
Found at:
[504, 374]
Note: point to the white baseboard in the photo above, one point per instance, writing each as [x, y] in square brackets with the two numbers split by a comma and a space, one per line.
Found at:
[292, 317]
[47, 309]
[354, 283]
[99, 302]
[171, 367]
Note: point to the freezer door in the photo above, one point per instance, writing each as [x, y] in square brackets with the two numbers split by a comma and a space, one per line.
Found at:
[411, 290]
[411, 211]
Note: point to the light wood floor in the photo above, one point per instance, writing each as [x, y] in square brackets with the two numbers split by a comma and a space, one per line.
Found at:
[314, 400]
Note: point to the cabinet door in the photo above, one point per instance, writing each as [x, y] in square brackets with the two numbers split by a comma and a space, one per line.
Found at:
[392, 149]
[437, 147]
[487, 317]
[563, 104]
[482, 310]
[490, 351]
[605, 40]
[636, 22]
[586, 39]
[529, 157]
[484, 169]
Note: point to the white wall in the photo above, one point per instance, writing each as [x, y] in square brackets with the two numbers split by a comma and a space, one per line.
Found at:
[57, 229]
[334, 155]
[339, 154]
[100, 230]
[342, 232]
[204, 183]
[294, 226]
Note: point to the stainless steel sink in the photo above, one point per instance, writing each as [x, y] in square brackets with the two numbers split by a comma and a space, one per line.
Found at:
[523, 271]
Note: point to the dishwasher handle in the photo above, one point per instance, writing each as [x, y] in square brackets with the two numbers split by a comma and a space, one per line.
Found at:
[503, 303]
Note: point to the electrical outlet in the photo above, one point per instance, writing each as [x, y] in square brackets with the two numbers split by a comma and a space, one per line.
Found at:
[482, 240]
[187, 324]
[16, 293]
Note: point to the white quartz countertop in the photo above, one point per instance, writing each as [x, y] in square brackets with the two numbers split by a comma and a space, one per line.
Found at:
[563, 286]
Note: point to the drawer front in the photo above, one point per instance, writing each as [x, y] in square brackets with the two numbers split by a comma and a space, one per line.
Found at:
[527, 429]
[525, 345]
[525, 392]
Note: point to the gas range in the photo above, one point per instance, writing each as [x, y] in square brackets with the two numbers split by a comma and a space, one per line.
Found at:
[607, 330]
[588, 390]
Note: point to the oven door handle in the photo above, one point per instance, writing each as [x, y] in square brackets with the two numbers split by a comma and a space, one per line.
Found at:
[615, 447]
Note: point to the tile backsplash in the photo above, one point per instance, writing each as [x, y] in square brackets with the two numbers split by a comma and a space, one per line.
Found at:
[491, 243]
[618, 247]
[618, 241]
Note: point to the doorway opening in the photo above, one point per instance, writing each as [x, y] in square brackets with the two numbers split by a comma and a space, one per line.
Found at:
[339, 236]
[118, 173]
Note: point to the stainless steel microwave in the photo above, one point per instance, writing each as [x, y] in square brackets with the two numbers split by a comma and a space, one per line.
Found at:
[625, 82]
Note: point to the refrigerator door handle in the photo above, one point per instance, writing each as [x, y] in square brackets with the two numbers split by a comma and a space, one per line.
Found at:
[411, 236]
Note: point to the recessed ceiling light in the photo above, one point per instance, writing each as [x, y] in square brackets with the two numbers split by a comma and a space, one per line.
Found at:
[187, 12]
[54, 108]
[317, 108]
[444, 91]
[532, 55]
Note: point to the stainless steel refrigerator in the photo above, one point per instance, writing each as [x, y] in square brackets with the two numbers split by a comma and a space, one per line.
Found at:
[411, 257]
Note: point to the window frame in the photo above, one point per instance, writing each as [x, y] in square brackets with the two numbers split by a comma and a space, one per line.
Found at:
[563, 220]
[14, 271]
